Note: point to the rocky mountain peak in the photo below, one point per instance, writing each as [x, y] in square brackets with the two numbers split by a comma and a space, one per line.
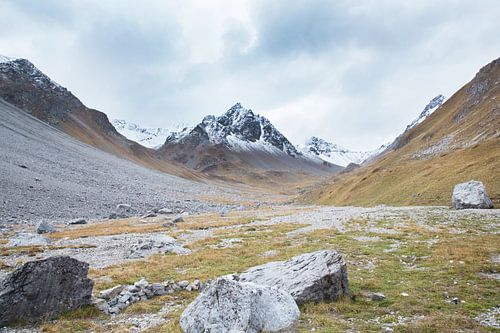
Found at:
[238, 128]
[28, 88]
[432, 106]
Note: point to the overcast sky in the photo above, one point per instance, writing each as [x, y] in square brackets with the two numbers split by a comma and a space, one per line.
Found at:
[352, 72]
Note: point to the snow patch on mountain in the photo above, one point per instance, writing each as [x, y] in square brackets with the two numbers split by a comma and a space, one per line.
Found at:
[433, 105]
[151, 137]
[15, 67]
[4, 59]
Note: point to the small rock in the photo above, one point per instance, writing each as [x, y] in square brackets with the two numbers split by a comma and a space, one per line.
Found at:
[142, 283]
[178, 218]
[183, 284]
[100, 304]
[377, 297]
[405, 294]
[165, 211]
[151, 214]
[78, 221]
[111, 292]
[455, 300]
[44, 228]
[114, 310]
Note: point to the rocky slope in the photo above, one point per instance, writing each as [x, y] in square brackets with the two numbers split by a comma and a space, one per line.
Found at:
[458, 142]
[47, 175]
[239, 141]
[26, 87]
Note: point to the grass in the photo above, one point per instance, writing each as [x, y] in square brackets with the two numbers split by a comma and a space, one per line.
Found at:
[434, 262]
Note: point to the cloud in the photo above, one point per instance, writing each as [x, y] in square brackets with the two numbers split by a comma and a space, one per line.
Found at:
[352, 72]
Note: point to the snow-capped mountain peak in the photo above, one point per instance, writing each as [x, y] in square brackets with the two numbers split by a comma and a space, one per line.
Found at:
[240, 129]
[432, 106]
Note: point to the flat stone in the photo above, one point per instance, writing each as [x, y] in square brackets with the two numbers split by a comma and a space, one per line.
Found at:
[317, 276]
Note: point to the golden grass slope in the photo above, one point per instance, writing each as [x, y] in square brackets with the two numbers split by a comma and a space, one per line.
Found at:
[460, 141]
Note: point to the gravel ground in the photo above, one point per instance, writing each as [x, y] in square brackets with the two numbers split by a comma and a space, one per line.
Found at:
[47, 175]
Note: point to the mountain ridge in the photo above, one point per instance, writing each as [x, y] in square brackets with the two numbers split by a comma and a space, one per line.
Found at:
[458, 142]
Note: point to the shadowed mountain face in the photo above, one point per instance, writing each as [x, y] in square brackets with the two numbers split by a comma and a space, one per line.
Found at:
[236, 140]
[458, 142]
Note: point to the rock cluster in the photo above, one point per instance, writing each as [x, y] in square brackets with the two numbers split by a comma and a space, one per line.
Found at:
[158, 243]
[471, 194]
[114, 300]
[43, 289]
[230, 306]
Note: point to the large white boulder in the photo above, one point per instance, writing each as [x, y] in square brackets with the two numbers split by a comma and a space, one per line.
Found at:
[229, 306]
[316, 276]
[471, 194]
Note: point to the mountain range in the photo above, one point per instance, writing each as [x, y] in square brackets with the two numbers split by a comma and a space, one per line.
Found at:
[457, 142]
[240, 129]
[450, 141]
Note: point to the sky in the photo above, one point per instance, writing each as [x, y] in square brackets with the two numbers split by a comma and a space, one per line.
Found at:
[351, 72]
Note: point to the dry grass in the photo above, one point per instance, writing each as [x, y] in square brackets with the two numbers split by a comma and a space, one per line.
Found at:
[114, 227]
[431, 265]
[398, 178]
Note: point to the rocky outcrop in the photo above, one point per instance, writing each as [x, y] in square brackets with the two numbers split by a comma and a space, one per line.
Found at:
[231, 306]
[43, 289]
[316, 276]
[471, 194]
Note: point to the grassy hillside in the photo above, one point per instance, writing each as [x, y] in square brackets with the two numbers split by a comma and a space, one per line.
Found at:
[459, 142]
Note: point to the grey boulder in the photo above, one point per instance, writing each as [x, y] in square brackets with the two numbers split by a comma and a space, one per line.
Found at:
[42, 289]
[228, 306]
[471, 194]
[316, 276]
[45, 228]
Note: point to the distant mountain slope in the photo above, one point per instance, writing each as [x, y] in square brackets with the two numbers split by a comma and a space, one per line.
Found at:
[458, 142]
[46, 174]
[335, 154]
[26, 87]
[239, 141]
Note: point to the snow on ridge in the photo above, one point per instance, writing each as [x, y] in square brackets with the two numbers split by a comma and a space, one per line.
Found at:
[335, 154]
[151, 137]
[4, 59]
[432, 106]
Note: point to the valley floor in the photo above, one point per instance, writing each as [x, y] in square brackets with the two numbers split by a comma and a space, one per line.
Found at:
[438, 268]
